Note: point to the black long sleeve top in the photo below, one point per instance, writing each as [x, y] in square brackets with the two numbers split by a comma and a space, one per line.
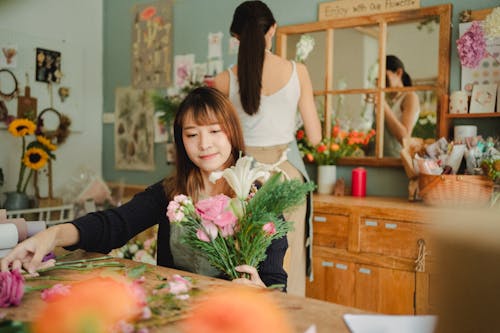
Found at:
[109, 229]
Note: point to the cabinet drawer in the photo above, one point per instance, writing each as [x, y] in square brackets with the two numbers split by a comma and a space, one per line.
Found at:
[330, 230]
[388, 237]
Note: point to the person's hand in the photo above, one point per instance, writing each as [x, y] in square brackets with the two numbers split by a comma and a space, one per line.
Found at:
[254, 280]
[29, 253]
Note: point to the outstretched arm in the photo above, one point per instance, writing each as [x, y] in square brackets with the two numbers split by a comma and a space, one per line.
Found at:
[29, 253]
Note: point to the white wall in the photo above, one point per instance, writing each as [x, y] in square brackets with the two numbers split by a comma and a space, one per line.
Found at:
[77, 27]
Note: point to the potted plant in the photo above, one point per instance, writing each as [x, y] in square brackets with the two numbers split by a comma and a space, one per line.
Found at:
[34, 156]
[327, 153]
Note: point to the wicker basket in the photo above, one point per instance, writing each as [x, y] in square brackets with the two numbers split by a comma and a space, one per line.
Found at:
[455, 190]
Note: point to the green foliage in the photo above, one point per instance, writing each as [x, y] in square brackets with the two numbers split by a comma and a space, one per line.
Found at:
[168, 105]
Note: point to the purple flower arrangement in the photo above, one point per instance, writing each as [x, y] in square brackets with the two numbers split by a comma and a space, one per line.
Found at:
[471, 46]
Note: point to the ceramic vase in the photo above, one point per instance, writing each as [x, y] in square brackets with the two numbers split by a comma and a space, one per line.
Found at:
[16, 201]
[327, 175]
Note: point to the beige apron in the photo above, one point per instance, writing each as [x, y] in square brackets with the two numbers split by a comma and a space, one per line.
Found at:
[295, 262]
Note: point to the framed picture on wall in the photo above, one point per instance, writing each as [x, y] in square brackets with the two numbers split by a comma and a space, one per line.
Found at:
[48, 66]
[483, 98]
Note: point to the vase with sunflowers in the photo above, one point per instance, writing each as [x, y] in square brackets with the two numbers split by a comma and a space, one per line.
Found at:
[326, 154]
[34, 156]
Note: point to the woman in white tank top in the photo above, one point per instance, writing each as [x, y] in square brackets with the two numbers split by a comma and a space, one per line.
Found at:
[266, 91]
[403, 115]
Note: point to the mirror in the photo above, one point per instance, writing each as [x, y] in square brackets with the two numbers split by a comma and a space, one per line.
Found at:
[348, 65]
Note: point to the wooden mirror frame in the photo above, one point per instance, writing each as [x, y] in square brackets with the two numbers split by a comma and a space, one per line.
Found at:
[441, 87]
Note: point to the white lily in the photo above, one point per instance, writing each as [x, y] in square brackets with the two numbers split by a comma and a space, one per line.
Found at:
[241, 176]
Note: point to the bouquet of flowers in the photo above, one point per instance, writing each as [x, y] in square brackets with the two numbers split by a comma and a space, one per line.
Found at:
[340, 144]
[235, 231]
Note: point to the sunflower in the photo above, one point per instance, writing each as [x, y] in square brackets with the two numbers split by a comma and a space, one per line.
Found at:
[35, 158]
[46, 143]
[22, 127]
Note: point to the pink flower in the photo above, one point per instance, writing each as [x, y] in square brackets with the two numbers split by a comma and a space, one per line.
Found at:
[55, 291]
[226, 222]
[208, 232]
[175, 211]
[214, 210]
[472, 46]
[269, 228]
[11, 288]
[179, 285]
[212, 207]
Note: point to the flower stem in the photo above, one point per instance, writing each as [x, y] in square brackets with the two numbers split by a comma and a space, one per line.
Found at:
[27, 180]
[70, 262]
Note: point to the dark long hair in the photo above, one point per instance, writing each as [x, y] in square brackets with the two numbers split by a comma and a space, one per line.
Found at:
[251, 21]
[393, 63]
[206, 106]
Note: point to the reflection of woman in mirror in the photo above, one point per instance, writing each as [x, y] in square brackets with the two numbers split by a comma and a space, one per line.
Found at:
[266, 91]
[401, 109]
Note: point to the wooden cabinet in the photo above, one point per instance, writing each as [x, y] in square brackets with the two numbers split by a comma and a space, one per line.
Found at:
[369, 253]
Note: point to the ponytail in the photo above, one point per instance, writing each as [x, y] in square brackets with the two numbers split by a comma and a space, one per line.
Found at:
[250, 66]
[251, 21]
[406, 79]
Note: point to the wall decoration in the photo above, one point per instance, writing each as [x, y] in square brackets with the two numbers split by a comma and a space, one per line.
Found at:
[161, 130]
[215, 67]
[199, 72]
[488, 69]
[483, 98]
[134, 130]
[215, 45]
[183, 69]
[152, 45]
[48, 66]
[8, 57]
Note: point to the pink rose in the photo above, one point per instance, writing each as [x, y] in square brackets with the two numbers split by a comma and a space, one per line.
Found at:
[11, 288]
[212, 207]
[207, 232]
[269, 228]
[226, 222]
[55, 291]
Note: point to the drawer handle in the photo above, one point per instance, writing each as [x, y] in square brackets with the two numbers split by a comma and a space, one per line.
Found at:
[370, 223]
[341, 266]
[391, 225]
[366, 271]
[327, 264]
[319, 219]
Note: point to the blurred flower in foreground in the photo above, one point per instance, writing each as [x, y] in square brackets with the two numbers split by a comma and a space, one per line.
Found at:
[11, 288]
[100, 304]
[236, 309]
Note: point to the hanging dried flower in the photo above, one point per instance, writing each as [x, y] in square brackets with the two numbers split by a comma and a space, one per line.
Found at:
[472, 46]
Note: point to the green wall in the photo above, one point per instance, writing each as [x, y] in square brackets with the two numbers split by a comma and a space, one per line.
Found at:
[193, 20]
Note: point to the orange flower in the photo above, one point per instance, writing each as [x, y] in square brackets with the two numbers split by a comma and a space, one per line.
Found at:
[93, 305]
[334, 147]
[310, 157]
[237, 309]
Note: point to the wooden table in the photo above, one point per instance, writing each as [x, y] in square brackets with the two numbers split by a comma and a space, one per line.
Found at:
[302, 312]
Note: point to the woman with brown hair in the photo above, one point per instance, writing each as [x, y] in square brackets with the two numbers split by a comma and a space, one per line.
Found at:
[208, 138]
